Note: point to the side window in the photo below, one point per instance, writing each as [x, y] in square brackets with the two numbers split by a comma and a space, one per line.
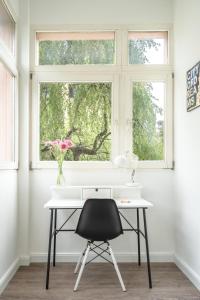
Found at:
[8, 89]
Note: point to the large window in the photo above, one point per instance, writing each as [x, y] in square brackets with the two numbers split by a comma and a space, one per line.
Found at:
[80, 111]
[8, 89]
[109, 91]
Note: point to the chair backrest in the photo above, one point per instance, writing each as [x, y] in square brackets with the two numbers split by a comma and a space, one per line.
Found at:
[99, 220]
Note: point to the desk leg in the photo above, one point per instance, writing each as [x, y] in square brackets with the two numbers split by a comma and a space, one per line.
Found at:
[49, 250]
[138, 236]
[147, 248]
[54, 237]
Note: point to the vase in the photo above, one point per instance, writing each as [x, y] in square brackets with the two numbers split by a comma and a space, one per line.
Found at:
[60, 176]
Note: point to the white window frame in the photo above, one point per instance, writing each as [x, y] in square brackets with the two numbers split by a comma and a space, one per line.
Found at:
[121, 75]
[151, 76]
[72, 78]
[9, 60]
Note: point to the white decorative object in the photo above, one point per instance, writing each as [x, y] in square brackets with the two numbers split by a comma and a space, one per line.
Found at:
[128, 161]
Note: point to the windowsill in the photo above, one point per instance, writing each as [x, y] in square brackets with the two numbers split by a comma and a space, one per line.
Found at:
[8, 166]
[98, 165]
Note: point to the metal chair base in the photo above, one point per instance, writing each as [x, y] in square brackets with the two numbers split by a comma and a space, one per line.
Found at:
[83, 258]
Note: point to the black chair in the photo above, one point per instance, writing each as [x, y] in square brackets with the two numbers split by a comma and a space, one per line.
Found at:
[99, 222]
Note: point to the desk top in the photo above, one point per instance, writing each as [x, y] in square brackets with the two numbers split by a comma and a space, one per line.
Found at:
[77, 203]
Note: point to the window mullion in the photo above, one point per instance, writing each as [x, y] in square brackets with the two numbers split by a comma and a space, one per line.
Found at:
[124, 47]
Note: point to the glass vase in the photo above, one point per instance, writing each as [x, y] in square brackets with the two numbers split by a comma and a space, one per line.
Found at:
[60, 176]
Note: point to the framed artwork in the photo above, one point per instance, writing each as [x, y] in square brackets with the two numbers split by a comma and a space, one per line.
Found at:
[193, 87]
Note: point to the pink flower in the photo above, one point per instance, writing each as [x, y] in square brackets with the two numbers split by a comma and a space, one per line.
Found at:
[56, 142]
[65, 145]
[59, 147]
[68, 143]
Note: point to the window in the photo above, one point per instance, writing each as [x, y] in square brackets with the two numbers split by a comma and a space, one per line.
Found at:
[8, 90]
[80, 111]
[7, 27]
[148, 120]
[76, 48]
[148, 47]
[96, 88]
[6, 114]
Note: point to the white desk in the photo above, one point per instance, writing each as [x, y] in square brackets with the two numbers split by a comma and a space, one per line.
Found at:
[76, 203]
[73, 205]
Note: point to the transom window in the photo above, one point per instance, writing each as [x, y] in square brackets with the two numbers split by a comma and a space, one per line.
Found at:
[148, 47]
[95, 87]
[76, 48]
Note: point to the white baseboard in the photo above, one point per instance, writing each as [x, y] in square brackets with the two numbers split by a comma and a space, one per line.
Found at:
[4, 280]
[25, 260]
[188, 271]
[121, 257]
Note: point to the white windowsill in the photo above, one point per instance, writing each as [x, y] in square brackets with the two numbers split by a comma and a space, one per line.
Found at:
[8, 165]
[97, 165]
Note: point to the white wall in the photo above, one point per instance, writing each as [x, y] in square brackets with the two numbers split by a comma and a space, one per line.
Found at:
[101, 12]
[157, 184]
[157, 188]
[8, 225]
[8, 213]
[187, 141]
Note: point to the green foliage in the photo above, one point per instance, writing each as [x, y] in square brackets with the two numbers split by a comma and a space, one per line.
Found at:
[147, 138]
[80, 111]
[76, 52]
[138, 50]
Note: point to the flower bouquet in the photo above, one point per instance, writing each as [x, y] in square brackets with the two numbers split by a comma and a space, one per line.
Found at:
[59, 149]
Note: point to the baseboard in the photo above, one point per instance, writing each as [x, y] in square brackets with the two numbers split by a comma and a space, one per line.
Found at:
[188, 271]
[4, 280]
[121, 257]
[25, 260]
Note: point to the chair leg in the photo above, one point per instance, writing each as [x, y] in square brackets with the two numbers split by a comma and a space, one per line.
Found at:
[79, 260]
[82, 267]
[117, 270]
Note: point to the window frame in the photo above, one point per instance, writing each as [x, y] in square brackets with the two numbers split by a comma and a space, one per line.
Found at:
[73, 78]
[121, 72]
[9, 60]
[151, 76]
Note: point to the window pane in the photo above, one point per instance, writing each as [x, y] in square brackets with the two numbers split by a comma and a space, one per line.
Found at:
[6, 115]
[148, 120]
[81, 111]
[148, 47]
[7, 27]
[62, 48]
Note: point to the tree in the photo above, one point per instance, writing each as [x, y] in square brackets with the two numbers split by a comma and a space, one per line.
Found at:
[147, 137]
[147, 134]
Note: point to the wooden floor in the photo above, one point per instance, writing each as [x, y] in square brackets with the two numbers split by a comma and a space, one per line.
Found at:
[99, 281]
